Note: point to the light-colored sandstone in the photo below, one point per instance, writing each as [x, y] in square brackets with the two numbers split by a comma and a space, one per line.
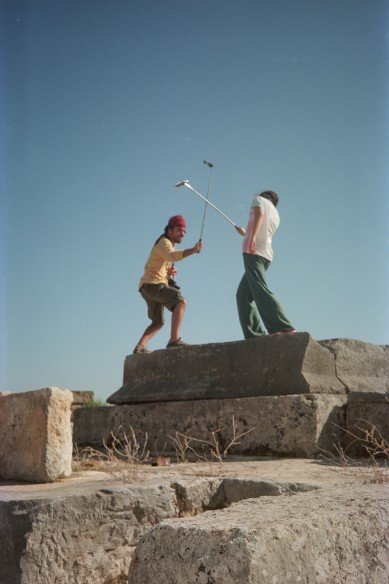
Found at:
[79, 535]
[82, 530]
[36, 435]
[360, 366]
[332, 537]
[80, 398]
[295, 425]
[366, 418]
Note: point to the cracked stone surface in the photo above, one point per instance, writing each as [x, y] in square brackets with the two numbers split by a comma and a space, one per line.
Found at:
[84, 530]
[332, 537]
[360, 366]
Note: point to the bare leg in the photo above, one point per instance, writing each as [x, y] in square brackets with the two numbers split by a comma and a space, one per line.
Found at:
[148, 334]
[177, 316]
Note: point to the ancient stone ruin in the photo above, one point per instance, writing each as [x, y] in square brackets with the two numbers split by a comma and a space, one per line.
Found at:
[36, 436]
[272, 512]
[292, 390]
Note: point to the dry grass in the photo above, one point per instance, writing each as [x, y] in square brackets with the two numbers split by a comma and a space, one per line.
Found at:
[125, 453]
[366, 438]
[121, 458]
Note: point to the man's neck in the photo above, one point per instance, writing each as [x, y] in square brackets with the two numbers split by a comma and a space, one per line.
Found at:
[171, 240]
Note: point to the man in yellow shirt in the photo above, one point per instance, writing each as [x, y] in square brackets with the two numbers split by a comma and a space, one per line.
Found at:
[154, 284]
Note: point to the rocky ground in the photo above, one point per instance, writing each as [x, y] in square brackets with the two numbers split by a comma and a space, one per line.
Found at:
[245, 520]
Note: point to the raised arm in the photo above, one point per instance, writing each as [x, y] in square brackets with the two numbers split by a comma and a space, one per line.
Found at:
[169, 254]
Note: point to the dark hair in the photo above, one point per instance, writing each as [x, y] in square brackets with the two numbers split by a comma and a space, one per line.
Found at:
[271, 196]
[164, 234]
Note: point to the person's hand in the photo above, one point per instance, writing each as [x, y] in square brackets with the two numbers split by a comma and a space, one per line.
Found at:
[198, 247]
[240, 230]
[252, 246]
[172, 272]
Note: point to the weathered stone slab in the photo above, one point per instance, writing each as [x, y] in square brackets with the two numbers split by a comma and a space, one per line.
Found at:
[79, 535]
[269, 365]
[83, 530]
[366, 423]
[360, 366]
[201, 494]
[80, 398]
[294, 425]
[316, 538]
[36, 435]
[93, 426]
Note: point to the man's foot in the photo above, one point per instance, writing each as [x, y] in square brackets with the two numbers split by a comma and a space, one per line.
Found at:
[177, 344]
[284, 332]
[140, 349]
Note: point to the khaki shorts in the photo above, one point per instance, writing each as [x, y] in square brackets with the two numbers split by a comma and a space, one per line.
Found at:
[157, 296]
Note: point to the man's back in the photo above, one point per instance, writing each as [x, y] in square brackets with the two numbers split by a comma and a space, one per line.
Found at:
[265, 233]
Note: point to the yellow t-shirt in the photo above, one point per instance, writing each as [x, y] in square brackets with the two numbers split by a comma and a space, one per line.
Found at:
[161, 257]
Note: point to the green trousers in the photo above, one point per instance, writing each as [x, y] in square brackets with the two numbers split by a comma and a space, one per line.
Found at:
[256, 302]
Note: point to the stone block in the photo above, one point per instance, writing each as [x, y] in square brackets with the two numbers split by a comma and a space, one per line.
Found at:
[360, 366]
[77, 534]
[93, 426]
[36, 436]
[269, 365]
[314, 537]
[293, 425]
[199, 495]
[80, 398]
[366, 420]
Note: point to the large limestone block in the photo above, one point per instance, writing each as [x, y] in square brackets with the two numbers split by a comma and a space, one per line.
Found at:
[366, 423]
[80, 534]
[92, 426]
[360, 366]
[340, 536]
[294, 425]
[80, 398]
[269, 365]
[36, 435]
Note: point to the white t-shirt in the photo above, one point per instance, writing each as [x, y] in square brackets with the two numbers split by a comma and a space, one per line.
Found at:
[269, 225]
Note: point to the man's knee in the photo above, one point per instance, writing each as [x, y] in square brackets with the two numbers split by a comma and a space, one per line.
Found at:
[181, 304]
[155, 326]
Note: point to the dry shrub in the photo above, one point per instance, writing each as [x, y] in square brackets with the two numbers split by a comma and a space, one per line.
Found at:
[188, 448]
[366, 438]
[122, 457]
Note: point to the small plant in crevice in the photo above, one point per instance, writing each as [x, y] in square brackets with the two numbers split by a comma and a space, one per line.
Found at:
[365, 438]
[213, 449]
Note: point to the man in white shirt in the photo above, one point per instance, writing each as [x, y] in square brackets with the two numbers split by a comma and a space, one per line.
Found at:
[254, 299]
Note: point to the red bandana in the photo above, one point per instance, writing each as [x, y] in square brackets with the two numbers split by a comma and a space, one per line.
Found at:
[176, 221]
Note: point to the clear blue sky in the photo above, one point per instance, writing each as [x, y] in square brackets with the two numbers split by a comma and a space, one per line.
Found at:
[106, 104]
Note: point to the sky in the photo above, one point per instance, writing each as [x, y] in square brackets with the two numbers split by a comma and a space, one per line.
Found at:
[107, 104]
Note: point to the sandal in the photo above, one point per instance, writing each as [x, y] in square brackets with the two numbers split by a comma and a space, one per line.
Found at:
[139, 349]
[177, 344]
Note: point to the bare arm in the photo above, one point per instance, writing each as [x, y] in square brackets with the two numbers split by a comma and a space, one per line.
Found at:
[241, 230]
[167, 251]
[259, 215]
[192, 250]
